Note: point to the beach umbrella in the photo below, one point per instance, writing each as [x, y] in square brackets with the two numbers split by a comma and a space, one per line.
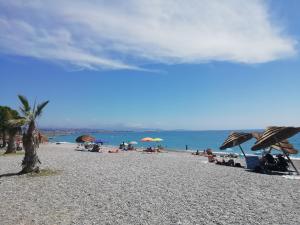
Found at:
[100, 141]
[147, 139]
[157, 139]
[133, 143]
[236, 139]
[274, 136]
[84, 138]
[284, 145]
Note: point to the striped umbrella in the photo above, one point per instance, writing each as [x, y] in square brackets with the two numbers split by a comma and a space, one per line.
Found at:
[274, 136]
[236, 139]
[85, 138]
[284, 145]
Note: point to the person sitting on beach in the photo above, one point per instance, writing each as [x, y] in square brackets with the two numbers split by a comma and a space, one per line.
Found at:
[96, 148]
[211, 158]
[209, 151]
[122, 146]
[270, 162]
[159, 150]
[282, 163]
[209, 154]
[266, 163]
[130, 147]
[196, 153]
[150, 149]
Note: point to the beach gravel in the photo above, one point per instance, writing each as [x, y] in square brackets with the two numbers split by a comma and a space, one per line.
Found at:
[140, 188]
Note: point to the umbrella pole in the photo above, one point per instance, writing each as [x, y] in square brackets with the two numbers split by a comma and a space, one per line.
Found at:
[242, 151]
[270, 149]
[289, 159]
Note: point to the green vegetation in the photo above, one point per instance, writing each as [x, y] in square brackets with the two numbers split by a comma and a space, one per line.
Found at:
[11, 124]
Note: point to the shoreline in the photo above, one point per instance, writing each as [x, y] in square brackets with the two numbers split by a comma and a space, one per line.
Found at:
[183, 151]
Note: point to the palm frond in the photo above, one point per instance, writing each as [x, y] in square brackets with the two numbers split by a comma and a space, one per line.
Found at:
[16, 122]
[25, 104]
[39, 108]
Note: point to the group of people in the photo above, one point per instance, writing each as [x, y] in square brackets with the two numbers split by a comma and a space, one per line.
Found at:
[212, 158]
[266, 163]
[126, 147]
[158, 149]
[96, 147]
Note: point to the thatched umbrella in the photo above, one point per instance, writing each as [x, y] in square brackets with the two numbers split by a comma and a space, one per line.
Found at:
[274, 136]
[284, 145]
[85, 138]
[236, 138]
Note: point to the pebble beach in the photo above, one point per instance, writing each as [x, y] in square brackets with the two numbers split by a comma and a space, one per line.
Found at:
[142, 188]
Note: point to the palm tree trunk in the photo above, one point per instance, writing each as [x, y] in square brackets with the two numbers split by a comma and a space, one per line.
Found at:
[11, 147]
[31, 160]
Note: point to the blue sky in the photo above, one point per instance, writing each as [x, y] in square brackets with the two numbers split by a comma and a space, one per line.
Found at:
[166, 64]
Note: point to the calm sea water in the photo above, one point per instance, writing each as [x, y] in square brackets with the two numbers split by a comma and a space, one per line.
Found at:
[176, 140]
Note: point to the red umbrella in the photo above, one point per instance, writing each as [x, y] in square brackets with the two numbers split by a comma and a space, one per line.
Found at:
[85, 138]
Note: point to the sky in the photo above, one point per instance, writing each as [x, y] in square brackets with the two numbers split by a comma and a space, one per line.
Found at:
[195, 65]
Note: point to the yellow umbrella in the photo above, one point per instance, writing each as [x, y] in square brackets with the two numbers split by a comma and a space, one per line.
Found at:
[157, 139]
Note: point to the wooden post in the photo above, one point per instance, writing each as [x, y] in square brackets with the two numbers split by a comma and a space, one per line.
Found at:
[284, 152]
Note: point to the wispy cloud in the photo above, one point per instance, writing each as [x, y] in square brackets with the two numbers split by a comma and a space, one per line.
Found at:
[127, 34]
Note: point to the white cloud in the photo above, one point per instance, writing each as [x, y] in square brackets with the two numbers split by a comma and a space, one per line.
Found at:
[126, 34]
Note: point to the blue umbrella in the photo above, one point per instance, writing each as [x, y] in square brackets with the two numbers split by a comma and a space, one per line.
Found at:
[100, 141]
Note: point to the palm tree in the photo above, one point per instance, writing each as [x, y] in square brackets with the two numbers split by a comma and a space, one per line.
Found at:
[31, 160]
[13, 124]
[10, 123]
[3, 124]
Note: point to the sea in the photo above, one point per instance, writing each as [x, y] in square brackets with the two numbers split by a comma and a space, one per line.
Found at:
[175, 140]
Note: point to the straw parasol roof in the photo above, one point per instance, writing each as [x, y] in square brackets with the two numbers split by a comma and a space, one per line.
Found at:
[85, 138]
[274, 135]
[284, 145]
[235, 138]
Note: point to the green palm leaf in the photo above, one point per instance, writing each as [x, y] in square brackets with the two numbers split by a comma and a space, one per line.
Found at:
[16, 122]
[39, 108]
[25, 104]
